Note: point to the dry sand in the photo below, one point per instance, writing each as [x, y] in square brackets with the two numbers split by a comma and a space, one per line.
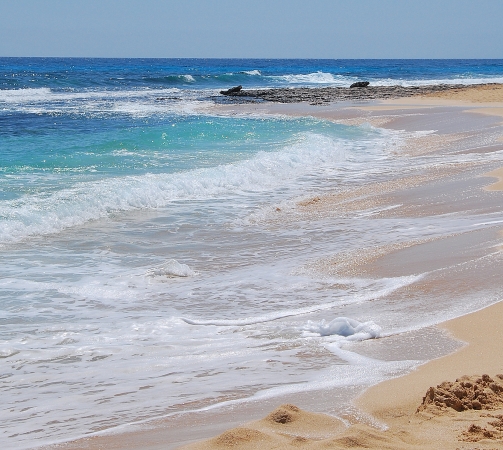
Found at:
[481, 94]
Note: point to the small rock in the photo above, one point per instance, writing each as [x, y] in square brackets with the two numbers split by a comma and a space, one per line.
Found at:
[360, 84]
[232, 91]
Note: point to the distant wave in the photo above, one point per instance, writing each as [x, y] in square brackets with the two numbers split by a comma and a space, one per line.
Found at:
[322, 78]
[172, 79]
[42, 95]
[248, 79]
[252, 72]
[423, 82]
[314, 78]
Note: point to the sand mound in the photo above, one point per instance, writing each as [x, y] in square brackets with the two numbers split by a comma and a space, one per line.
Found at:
[286, 427]
[466, 393]
[435, 425]
[239, 437]
[284, 414]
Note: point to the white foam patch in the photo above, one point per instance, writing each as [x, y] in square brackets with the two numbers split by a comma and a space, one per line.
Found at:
[313, 78]
[25, 95]
[171, 269]
[345, 327]
[427, 82]
[324, 78]
[252, 72]
[48, 95]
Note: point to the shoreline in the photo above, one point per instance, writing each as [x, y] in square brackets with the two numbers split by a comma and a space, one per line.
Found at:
[371, 400]
[394, 403]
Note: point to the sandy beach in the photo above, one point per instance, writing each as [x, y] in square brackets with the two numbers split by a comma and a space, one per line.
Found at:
[391, 415]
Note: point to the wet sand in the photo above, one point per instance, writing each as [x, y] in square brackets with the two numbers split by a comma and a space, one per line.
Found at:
[387, 416]
[395, 404]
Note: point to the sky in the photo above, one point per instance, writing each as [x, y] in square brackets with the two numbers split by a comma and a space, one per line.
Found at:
[252, 28]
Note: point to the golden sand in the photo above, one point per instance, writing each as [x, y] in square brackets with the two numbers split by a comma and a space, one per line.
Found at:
[487, 93]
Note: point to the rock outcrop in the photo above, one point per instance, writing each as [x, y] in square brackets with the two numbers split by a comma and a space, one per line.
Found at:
[323, 95]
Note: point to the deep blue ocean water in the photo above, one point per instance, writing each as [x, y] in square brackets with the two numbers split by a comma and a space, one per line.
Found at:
[91, 74]
[137, 277]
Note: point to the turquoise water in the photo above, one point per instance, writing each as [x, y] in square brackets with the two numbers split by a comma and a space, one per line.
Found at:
[143, 270]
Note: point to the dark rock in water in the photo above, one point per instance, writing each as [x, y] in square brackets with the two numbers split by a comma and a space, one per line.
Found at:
[360, 84]
[232, 91]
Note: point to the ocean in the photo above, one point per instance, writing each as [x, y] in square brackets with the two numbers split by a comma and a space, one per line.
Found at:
[143, 270]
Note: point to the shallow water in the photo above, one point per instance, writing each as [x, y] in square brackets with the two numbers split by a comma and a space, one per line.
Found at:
[145, 269]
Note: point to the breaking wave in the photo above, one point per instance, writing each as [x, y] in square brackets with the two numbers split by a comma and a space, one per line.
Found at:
[43, 214]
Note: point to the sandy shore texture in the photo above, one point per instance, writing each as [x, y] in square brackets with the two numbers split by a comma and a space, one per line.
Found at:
[447, 420]
[416, 410]
[427, 408]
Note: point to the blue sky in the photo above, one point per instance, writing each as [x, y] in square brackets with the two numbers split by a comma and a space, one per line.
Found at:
[253, 28]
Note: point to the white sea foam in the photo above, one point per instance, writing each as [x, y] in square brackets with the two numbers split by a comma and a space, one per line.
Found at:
[345, 327]
[25, 95]
[313, 78]
[137, 103]
[426, 82]
[75, 205]
[42, 95]
[330, 79]
[171, 268]
[252, 72]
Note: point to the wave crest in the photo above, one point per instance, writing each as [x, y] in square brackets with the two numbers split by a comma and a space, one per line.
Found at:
[73, 206]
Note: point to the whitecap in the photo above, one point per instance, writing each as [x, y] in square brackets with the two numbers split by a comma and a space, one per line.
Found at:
[24, 95]
[252, 72]
[314, 78]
